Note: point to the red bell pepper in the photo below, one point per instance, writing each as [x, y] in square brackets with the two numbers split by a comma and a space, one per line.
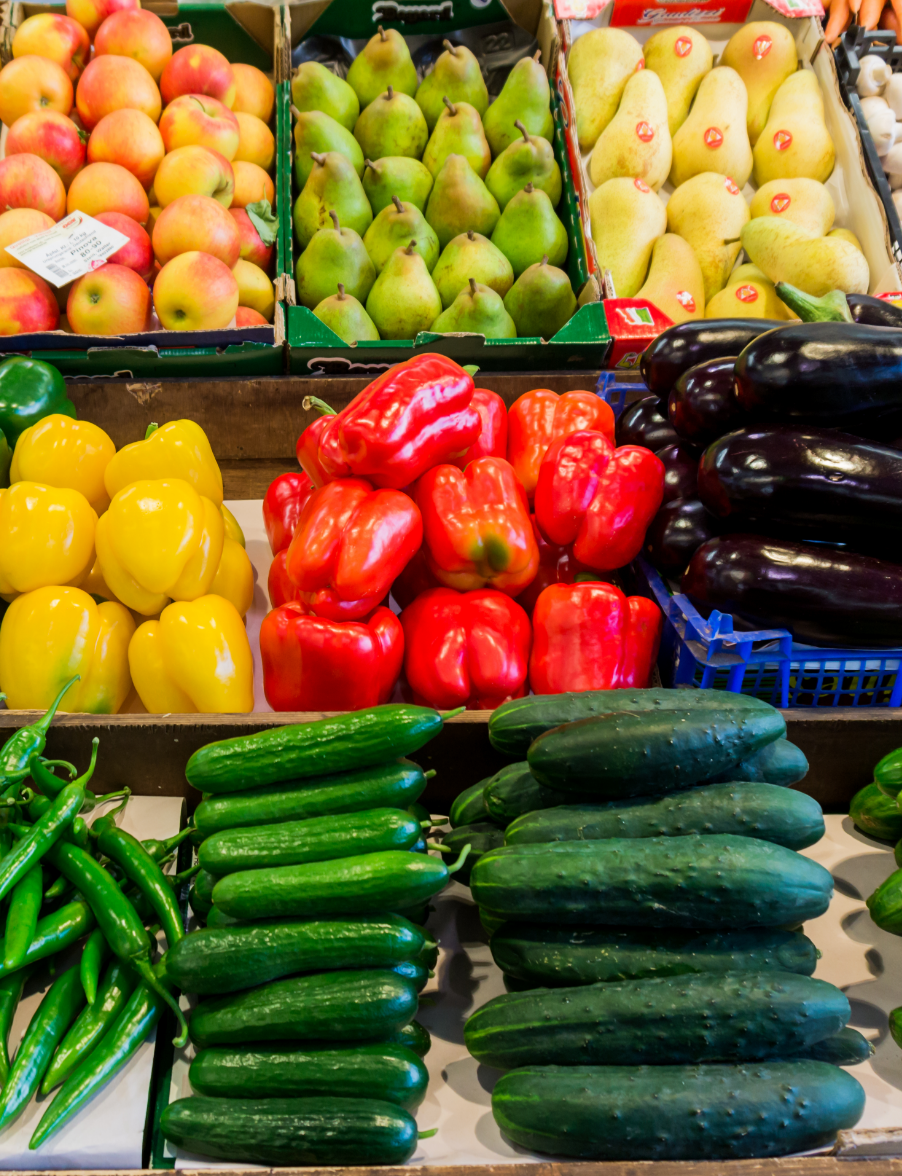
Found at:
[414, 580]
[540, 417]
[466, 649]
[477, 528]
[278, 585]
[590, 636]
[313, 664]
[492, 440]
[282, 508]
[557, 565]
[598, 498]
[412, 417]
[350, 544]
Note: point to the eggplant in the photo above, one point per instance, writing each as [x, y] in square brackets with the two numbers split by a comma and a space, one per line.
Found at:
[643, 423]
[874, 312]
[832, 375]
[683, 346]
[806, 483]
[702, 405]
[676, 532]
[821, 595]
[680, 472]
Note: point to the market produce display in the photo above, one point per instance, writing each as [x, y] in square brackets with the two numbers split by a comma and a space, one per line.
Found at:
[172, 150]
[424, 206]
[880, 91]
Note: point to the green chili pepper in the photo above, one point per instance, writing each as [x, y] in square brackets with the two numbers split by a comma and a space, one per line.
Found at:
[55, 932]
[22, 917]
[10, 995]
[114, 1049]
[91, 1023]
[45, 1031]
[93, 957]
[161, 849]
[38, 806]
[140, 868]
[60, 886]
[116, 917]
[36, 841]
[17, 751]
[51, 785]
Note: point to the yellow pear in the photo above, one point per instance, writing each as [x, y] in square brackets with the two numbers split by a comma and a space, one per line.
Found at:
[636, 142]
[763, 53]
[787, 253]
[795, 140]
[755, 297]
[802, 201]
[714, 137]
[627, 218]
[599, 66]
[846, 235]
[680, 57]
[709, 212]
[744, 273]
[674, 283]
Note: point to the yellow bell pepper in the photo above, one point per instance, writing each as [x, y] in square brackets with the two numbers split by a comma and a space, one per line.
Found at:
[177, 450]
[58, 451]
[159, 540]
[232, 526]
[46, 537]
[196, 659]
[52, 634]
[234, 579]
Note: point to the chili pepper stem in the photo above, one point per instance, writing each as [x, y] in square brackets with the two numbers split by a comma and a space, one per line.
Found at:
[172, 843]
[427, 1134]
[43, 724]
[144, 969]
[459, 710]
[464, 854]
[70, 768]
[178, 879]
[314, 402]
[432, 772]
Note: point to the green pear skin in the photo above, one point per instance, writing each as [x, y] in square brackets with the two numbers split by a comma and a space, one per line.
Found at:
[528, 160]
[456, 75]
[394, 228]
[315, 132]
[404, 300]
[471, 256]
[332, 185]
[392, 124]
[525, 97]
[460, 201]
[529, 229]
[541, 301]
[314, 87]
[458, 132]
[384, 61]
[477, 310]
[343, 314]
[396, 175]
[334, 257]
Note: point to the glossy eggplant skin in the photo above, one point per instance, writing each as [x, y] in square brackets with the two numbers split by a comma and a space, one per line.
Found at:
[874, 312]
[832, 375]
[644, 423]
[680, 472]
[807, 484]
[677, 531]
[702, 405]
[823, 596]
[683, 346]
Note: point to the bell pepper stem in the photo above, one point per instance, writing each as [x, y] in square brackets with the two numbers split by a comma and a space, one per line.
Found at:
[428, 775]
[151, 429]
[320, 405]
[427, 1134]
[146, 972]
[464, 854]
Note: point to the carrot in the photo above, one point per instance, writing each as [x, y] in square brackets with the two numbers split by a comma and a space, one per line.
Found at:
[869, 13]
[896, 11]
[839, 18]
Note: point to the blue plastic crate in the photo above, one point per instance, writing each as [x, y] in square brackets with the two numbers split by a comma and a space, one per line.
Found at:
[712, 654]
[614, 389]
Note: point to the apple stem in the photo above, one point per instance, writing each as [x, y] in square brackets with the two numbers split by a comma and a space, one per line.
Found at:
[473, 289]
[397, 203]
[334, 216]
[451, 107]
[452, 49]
[341, 291]
[520, 127]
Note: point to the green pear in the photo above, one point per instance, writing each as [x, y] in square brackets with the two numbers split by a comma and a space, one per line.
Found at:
[384, 61]
[471, 256]
[392, 124]
[528, 160]
[314, 87]
[477, 310]
[395, 227]
[404, 300]
[460, 201]
[541, 300]
[333, 184]
[334, 256]
[396, 175]
[458, 132]
[315, 131]
[528, 229]
[455, 75]
[525, 97]
[343, 314]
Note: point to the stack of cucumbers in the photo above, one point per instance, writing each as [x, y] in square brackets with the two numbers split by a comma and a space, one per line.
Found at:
[313, 879]
[639, 872]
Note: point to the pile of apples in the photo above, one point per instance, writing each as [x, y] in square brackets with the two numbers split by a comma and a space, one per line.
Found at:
[171, 149]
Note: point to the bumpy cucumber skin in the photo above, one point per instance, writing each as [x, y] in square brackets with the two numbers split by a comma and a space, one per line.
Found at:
[704, 882]
[876, 814]
[848, 1047]
[765, 811]
[780, 763]
[219, 960]
[618, 755]
[396, 785]
[415, 1036]
[481, 837]
[314, 840]
[469, 807]
[357, 739]
[326, 1006]
[714, 1112]
[515, 790]
[391, 1073]
[286, 1132]
[567, 956]
[732, 1017]
[885, 904]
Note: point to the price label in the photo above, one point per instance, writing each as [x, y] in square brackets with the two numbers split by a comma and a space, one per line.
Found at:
[75, 246]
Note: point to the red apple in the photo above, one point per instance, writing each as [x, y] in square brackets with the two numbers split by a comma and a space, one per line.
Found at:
[137, 255]
[113, 300]
[198, 69]
[139, 34]
[92, 13]
[193, 223]
[245, 317]
[27, 303]
[255, 93]
[52, 137]
[194, 170]
[252, 247]
[36, 83]
[115, 83]
[17, 223]
[196, 118]
[195, 292]
[58, 37]
[26, 181]
[107, 187]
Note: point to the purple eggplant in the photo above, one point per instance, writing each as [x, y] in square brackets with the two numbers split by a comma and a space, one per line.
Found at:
[874, 312]
[680, 472]
[683, 346]
[643, 423]
[677, 531]
[702, 405]
[824, 596]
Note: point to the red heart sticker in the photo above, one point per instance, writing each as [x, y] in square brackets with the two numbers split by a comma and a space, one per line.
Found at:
[713, 138]
[731, 186]
[782, 140]
[762, 47]
[642, 186]
[780, 202]
[747, 294]
[682, 46]
[686, 300]
[645, 132]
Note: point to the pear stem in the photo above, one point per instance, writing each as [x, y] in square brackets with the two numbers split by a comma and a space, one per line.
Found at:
[529, 187]
[334, 216]
[341, 291]
[473, 289]
[544, 259]
[369, 163]
[537, 56]
[411, 249]
[382, 33]
[471, 236]
[318, 158]
[294, 110]
[452, 49]
[523, 131]
[397, 203]
[389, 93]
[451, 107]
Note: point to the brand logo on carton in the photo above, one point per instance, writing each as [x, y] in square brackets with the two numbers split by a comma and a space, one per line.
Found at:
[682, 46]
[780, 202]
[713, 138]
[731, 186]
[782, 140]
[642, 186]
[391, 10]
[636, 316]
[762, 47]
[686, 300]
[675, 16]
[747, 294]
[645, 132]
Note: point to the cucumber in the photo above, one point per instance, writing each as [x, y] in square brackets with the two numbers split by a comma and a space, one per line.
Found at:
[622, 754]
[515, 790]
[416, 914]
[226, 959]
[203, 885]
[888, 773]
[689, 882]
[885, 904]
[315, 840]
[392, 785]
[292, 1132]
[515, 724]
[415, 1036]
[356, 739]
[481, 837]
[365, 884]
[327, 1006]
[428, 954]
[897, 853]
[216, 918]
[876, 814]
[469, 807]
[415, 972]
[669, 1020]
[781, 762]
[491, 922]
[676, 1112]
[200, 905]
[765, 811]
[566, 956]
[848, 1047]
[419, 846]
[391, 1073]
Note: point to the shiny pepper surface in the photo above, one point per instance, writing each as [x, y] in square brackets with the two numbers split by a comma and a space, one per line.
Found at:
[59, 451]
[492, 439]
[177, 450]
[46, 537]
[30, 390]
[541, 417]
[283, 503]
